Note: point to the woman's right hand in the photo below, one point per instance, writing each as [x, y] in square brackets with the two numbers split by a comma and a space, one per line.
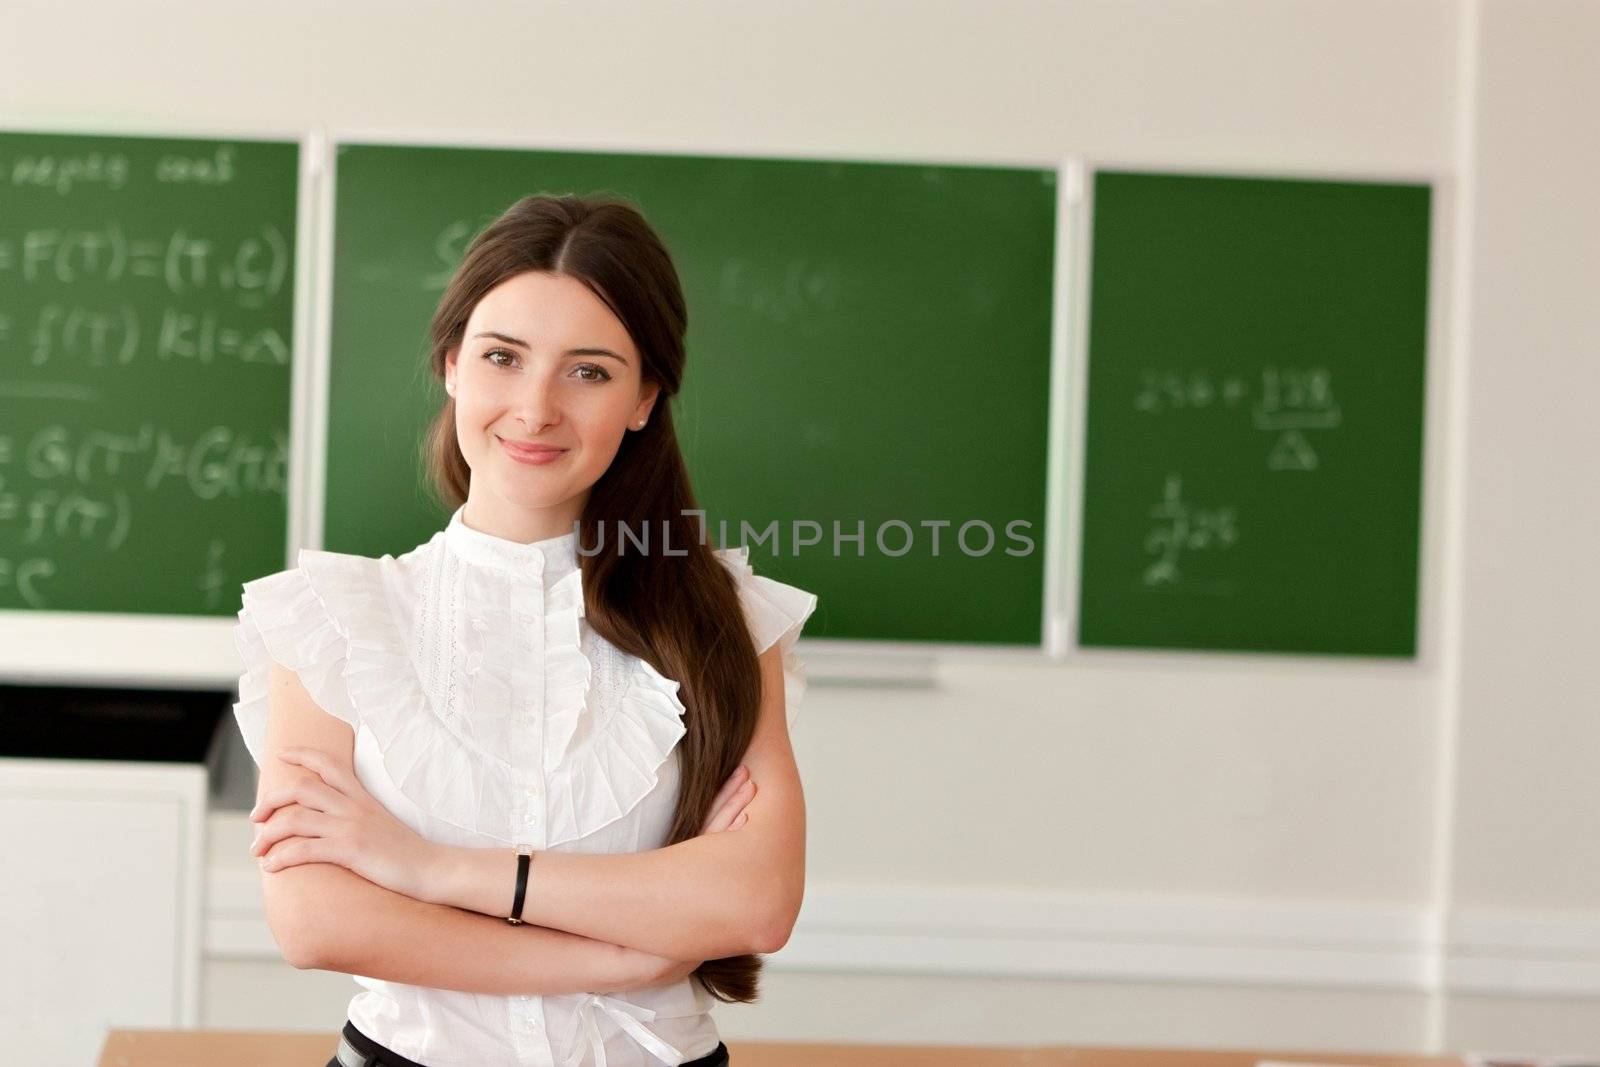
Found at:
[727, 813]
[727, 809]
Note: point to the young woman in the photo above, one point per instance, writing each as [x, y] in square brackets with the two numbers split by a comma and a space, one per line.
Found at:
[509, 778]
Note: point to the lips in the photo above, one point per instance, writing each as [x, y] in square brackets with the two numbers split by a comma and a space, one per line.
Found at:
[523, 450]
[522, 446]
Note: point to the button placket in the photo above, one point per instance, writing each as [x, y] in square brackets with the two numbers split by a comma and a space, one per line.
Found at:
[527, 743]
[520, 598]
[528, 1032]
[529, 1014]
[528, 733]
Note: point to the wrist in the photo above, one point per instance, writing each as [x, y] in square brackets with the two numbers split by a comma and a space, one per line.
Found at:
[627, 968]
[441, 874]
[475, 879]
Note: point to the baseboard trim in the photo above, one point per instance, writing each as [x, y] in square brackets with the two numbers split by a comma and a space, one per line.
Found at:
[1500, 953]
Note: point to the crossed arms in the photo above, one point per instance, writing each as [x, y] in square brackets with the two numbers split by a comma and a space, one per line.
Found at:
[594, 922]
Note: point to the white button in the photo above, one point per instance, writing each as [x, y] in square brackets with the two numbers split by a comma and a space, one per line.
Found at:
[533, 790]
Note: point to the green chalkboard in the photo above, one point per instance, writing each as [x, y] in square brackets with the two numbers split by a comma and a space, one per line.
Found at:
[868, 342]
[1253, 464]
[146, 321]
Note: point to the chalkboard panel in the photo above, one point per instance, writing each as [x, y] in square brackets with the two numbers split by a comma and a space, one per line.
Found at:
[1254, 434]
[146, 320]
[868, 342]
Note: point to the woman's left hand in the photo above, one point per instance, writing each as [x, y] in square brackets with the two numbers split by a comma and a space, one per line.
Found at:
[329, 817]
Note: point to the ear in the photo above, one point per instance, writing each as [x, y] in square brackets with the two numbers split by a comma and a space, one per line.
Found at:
[450, 370]
[647, 401]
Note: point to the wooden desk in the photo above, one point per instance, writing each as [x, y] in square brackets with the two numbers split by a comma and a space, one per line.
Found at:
[240, 1048]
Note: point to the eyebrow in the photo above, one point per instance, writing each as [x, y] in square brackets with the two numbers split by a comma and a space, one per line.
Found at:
[508, 339]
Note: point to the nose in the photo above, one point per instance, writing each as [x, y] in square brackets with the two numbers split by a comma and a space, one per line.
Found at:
[536, 403]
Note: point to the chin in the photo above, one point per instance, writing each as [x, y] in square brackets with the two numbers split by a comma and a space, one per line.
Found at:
[533, 488]
[525, 496]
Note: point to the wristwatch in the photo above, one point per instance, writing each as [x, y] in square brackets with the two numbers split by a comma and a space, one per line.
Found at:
[524, 857]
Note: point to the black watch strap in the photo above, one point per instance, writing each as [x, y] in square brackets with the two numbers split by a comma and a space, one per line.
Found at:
[523, 859]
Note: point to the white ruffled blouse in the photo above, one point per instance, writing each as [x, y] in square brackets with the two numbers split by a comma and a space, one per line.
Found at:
[488, 714]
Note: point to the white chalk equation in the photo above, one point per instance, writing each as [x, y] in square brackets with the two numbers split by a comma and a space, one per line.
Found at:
[87, 335]
[801, 292]
[1181, 529]
[253, 269]
[1288, 403]
[62, 486]
[214, 581]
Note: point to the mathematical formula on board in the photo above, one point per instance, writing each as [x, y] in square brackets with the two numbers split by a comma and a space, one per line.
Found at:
[82, 335]
[802, 293]
[1289, 405]
[64, 487]
[146, 336]
[1256, 372]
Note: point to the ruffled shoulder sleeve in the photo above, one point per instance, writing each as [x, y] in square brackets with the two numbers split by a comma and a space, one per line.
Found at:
[299, 617]
[777, 613]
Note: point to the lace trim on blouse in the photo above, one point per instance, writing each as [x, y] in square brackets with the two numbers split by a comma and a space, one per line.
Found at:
[335, 620]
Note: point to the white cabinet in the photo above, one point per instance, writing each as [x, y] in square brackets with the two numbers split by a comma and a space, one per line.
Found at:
[100, 902]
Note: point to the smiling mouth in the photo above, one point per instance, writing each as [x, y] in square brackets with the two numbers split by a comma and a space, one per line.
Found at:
[533, 447]
[523, 451]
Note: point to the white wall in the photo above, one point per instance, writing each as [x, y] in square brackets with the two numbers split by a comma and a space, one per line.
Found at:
[1125, 847]
[1530, 725]
[1525, 875]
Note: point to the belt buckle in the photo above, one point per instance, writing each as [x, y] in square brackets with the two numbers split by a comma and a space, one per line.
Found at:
[349, 1056]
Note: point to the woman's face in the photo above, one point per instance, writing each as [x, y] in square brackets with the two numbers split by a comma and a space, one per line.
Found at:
[543, 361]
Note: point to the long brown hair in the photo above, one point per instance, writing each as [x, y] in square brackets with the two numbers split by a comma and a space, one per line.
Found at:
[679, 613]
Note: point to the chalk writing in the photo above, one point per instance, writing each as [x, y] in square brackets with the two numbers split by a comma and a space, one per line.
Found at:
[175, 168]
[86, 336]
[60, 174]
[1287, 402]
[65, 485]
[1182, 528]
[252, 269]
[147, 327]
[796, 294]
[24, 577]
[449, 248]
[219, 461]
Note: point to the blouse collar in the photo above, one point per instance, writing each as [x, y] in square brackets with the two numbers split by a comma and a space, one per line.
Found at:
[553, 556]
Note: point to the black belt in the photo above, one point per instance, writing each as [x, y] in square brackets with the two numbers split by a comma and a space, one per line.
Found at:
[350, 1056]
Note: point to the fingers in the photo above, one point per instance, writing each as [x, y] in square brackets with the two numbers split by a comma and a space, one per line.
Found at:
[735, 808]
[728, 812]
[322, 765]
[306, 790]
[733, 802]
[740, 773]
[294, 851]
[290, 821]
